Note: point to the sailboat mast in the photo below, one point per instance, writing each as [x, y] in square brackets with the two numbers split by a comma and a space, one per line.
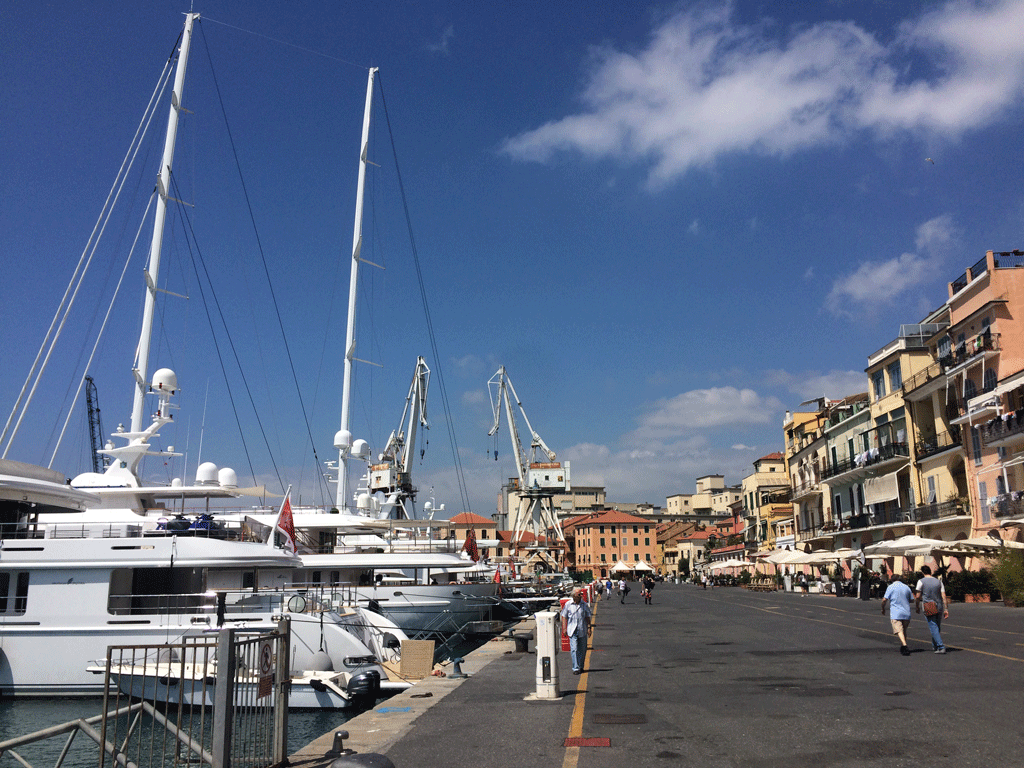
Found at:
[343, 440]
[140, 369]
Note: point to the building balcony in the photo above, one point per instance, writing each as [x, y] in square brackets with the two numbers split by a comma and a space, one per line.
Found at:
[1007, 505]
[943, 510]
[1003, 430]
[940, 442]
[923, 383]
[967, 353]
[875, 461]
[805, 490]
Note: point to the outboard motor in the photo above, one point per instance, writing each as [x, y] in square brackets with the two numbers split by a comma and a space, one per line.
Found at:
[364, 689]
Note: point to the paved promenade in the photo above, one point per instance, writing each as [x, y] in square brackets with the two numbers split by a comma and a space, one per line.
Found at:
[725, 677]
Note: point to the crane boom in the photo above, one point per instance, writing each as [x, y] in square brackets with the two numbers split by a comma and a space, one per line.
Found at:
[92, 406]
[392, 472]
[538, 481]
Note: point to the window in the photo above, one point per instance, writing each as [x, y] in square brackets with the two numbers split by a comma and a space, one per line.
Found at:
[647, 529]
[635, 529]
[895, 376]
[603, 557]
[976, 445]
[602, 541]
[636, 542]
[647, 542]
[636, 557]
[648, 557]
[970, 389]
[990, 380]
[983, 501]
[878, 383]
[602, 529]
[613, 541]
[20, 602]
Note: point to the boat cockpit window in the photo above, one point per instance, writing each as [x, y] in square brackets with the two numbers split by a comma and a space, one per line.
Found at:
[16, 602]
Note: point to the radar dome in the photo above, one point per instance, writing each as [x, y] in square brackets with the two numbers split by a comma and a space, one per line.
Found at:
[360, 449]
[228, 478]
[165, 380]
[206, 474]
[364, 501]
[342, 439]
[176, 482]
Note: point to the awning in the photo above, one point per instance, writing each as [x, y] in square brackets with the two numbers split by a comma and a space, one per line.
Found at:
[881, 489]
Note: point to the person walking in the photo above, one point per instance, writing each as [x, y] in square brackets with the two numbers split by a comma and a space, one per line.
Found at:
[898, 597]
[623, 589]
[648, 587]
[608, 589]
[576, 625]
[704, 580]
[931, 593]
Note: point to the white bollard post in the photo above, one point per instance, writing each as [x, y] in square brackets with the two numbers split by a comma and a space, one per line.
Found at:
[548, 645]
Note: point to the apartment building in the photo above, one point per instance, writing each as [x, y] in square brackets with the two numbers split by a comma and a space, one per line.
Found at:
[598, 540]
[761, 493]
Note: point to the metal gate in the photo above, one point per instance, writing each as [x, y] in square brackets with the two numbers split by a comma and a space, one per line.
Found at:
[219, 701]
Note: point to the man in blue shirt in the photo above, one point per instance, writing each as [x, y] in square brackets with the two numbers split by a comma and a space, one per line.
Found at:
[576, 624]
[899, 597]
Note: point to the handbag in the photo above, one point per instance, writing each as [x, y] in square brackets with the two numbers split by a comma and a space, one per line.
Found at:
[930, 608]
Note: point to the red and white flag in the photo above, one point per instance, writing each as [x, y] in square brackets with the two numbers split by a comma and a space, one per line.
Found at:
[286, 524]
[497, 575]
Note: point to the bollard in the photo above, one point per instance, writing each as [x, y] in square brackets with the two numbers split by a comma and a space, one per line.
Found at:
[548, 630]
[457, 674]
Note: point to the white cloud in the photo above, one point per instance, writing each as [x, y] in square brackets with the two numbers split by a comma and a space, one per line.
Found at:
[694, 228]
[809, 384]
[705, 87]
[876, 284]
[703, 409]
[442, 45]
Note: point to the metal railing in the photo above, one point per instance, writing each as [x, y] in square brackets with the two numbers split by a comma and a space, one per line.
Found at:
[942, 441]
[937, 511]
[921, 378]
[1000, 429]
[883, 453]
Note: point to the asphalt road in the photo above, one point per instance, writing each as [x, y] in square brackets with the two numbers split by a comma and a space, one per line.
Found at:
[728, 677]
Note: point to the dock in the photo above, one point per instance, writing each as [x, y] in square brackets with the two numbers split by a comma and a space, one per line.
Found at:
[721, 677]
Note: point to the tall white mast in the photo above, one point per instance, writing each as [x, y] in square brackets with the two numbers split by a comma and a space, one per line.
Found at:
[140, 369]
[343, 440]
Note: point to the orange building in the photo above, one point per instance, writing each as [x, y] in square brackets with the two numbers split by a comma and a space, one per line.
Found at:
[597, 541]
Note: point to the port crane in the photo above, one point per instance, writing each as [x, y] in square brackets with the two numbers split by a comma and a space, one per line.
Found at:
[92, 407]
[540, 477]
[391, 475]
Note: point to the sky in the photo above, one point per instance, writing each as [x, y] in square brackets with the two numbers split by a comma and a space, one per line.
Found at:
[671, 222]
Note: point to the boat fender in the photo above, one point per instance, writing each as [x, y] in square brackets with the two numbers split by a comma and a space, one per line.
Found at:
[317, 685]
[321, 662]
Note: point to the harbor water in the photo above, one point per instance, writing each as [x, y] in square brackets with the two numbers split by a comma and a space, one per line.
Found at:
[22, 716]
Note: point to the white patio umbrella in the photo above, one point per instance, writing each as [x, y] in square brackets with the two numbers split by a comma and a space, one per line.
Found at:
[621, 567]
[905, 546]
[977, 546]
[642, 566]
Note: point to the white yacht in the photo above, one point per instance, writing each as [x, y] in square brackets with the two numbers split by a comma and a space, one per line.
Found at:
[101, 561]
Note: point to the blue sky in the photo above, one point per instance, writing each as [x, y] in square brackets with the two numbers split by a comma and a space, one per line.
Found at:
[671, 222]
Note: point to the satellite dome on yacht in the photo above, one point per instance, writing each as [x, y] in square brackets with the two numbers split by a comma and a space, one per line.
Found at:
[342, 439]
[228, 478]
[206, 474]
[165, 380]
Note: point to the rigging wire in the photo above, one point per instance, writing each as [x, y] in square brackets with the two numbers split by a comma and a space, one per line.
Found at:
[263, 258]
[213, 335]
[60, 317]
[426, 310]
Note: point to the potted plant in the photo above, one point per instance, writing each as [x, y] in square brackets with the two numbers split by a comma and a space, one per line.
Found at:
[1008, 575]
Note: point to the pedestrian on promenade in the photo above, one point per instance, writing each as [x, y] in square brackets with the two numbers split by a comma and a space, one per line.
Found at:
[576, 625]
[608, 589]
[932, 593]
[623, 589]
[803, 583]
[648, 587]
[898, 597]
[704, 580]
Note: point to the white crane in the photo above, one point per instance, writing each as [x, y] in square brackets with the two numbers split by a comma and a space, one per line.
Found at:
[538, 481]
[391, 475]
